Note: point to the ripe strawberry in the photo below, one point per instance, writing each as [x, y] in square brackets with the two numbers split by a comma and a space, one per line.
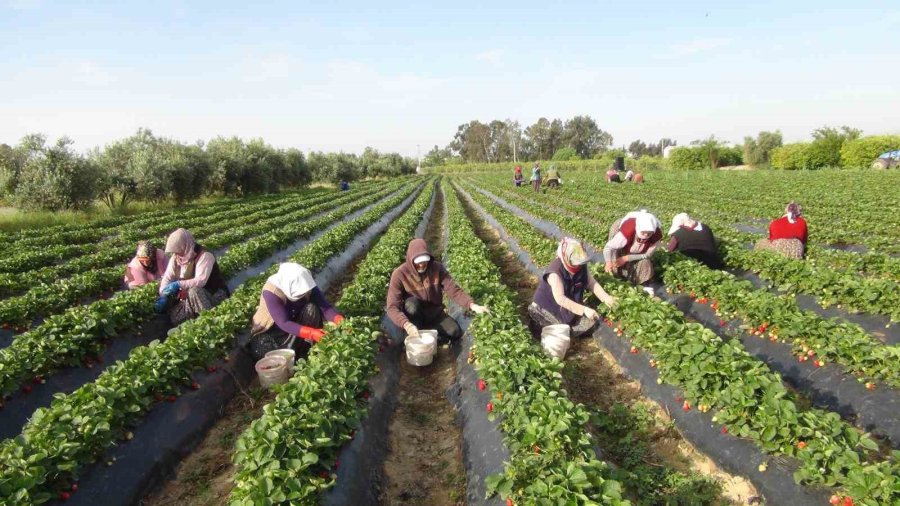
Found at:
[490, 407]
[634, 350]
[75, 487]
[509, 502]
[870, 386]
[848, 501]
[64, 496]
[835, 500]
[724, 430]
[817, 363]
[195, 386]
[365, 395]
[211, 369]
[801, 445]
[170, 398]
[323, 474]
[36, 380]
[686, 406]
[481, 385]
[722, 323]
[26, 389]
[811, 353]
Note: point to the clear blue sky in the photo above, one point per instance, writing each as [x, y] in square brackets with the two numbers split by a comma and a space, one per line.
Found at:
[345, 75]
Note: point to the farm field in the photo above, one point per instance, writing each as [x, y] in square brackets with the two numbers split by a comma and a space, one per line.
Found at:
[773, 381]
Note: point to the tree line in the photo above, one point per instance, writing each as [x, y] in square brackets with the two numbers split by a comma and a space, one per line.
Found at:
[36, 174]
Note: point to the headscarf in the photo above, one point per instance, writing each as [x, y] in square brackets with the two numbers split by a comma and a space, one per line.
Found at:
[572, 254]
[293, 279]
[683, 220]
[643, 221]
[793, 211]
[146, 249]
[181, 244]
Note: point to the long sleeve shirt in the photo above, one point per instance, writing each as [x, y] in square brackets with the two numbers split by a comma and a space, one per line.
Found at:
[619, 241]
[136, 275]
[784, 229]
[285, 314]
[202, 270]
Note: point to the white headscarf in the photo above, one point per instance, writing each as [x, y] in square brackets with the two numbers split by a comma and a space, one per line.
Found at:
[683, 220]
[643, 221]
[181, 244]
[293, 279]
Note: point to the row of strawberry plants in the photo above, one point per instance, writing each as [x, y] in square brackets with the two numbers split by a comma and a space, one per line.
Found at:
[552, 459]
[749, 399]
[68, 338]
[287, 454]
[118, 246]
[77, 428]
[838, 341]
[47, 299]
[779, 318]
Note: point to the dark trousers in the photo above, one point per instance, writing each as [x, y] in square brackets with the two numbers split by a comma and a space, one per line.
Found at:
[275, 338]
[553, 183]
[428, 316]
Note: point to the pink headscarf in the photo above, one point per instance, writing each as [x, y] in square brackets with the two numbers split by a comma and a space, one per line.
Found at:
[181, 244]
[793, 211]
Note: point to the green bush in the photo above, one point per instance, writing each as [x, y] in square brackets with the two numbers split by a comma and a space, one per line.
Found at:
[730, 156]
[565, 155]
[685, 158]
[860, 153]
[55, 178]
[791, 156]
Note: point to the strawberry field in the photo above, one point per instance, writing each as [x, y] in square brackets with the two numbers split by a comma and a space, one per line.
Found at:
[781, 375]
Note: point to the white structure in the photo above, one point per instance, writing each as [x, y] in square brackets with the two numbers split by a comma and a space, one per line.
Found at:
[667, 150]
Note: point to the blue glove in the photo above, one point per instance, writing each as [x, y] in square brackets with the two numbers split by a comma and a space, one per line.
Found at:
[172, 288]
[161, 302]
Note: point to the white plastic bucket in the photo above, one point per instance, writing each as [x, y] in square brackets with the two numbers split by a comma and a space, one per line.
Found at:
[289, 356]
[272, 370]
[420, 350]
[555, 340]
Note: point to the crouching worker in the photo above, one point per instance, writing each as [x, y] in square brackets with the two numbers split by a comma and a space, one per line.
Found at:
[559, 298]
[290, 306]
[695, 240]
[192, 282]
[148, 265]
[788, 234]
[632, 241]
[416, 294]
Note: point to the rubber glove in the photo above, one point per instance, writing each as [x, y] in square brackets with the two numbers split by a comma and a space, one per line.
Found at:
[172, 288]
[311, 334]
[161, 302]
[590, 313]
[479, 309]
[411, 330]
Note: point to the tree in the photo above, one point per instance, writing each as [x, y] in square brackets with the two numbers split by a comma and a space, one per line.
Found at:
[758, 152]
[54, 177]
[537, 140]
[710, 147]
[436, 156]
[825, 150]
[473, 142]
[583, 134]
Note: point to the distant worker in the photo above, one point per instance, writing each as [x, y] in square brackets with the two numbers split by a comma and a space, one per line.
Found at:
[788, 234]
[415, 298]
[291, 306]
[695, 240]
[559, 298]
[629, 175]
[518, 178]
[553, 178]
[638, 178]
[612, 176]
[632, 241]
[536, 177]
[192, 282]
[344, 185]
[148, 265]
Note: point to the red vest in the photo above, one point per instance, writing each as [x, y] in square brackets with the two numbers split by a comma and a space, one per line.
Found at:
[629, 230]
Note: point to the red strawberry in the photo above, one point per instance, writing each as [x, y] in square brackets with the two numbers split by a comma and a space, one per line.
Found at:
[195, 385]
[211, 368]
[686, 406]
[490, 407]
[36, 380]
[170, 398]
[722, 323]
[158, 397]
[835, 500]
[848, 501]
[801, 445]
[75, 487]
[323, 474]
[509, 502]
[365, 395]
[26, 389]
[634, 350]
[724, 430]
[817, 363]
[481, 385]
[64, 496]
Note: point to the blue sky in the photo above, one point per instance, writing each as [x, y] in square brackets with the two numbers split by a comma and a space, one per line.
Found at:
[345, 75]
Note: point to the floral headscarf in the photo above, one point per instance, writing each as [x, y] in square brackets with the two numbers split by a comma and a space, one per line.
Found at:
[146, 249]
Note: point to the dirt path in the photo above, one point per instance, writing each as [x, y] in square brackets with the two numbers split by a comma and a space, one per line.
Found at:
[205, 477]
[424, 465]
[655, 463]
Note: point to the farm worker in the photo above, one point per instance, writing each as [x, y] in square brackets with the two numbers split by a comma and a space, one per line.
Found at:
[416, 293]
[518, 178]
[629, 175]
[632, 241]
[536, 177]
[695, 240]
[638, 178]
[344, 185]
[612, 176]
[291, 305]
[147, 266]
[559, 298]
[788, 234]
[192, 282]
[552, 176]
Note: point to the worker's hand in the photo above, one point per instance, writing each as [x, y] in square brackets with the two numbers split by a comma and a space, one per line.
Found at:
[478, 309]
[621, 261]
[411, 330]
[338, 319]
[171, 289]
[590, 314]
[311, 334]
[608, 268]
[161, 303]
[611, 302]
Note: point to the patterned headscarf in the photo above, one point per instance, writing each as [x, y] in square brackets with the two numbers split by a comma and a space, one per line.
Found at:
[792, 211]
[146, 249]
[572, 254]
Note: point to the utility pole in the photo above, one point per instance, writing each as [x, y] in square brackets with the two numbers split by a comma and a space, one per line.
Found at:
[418, 160]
